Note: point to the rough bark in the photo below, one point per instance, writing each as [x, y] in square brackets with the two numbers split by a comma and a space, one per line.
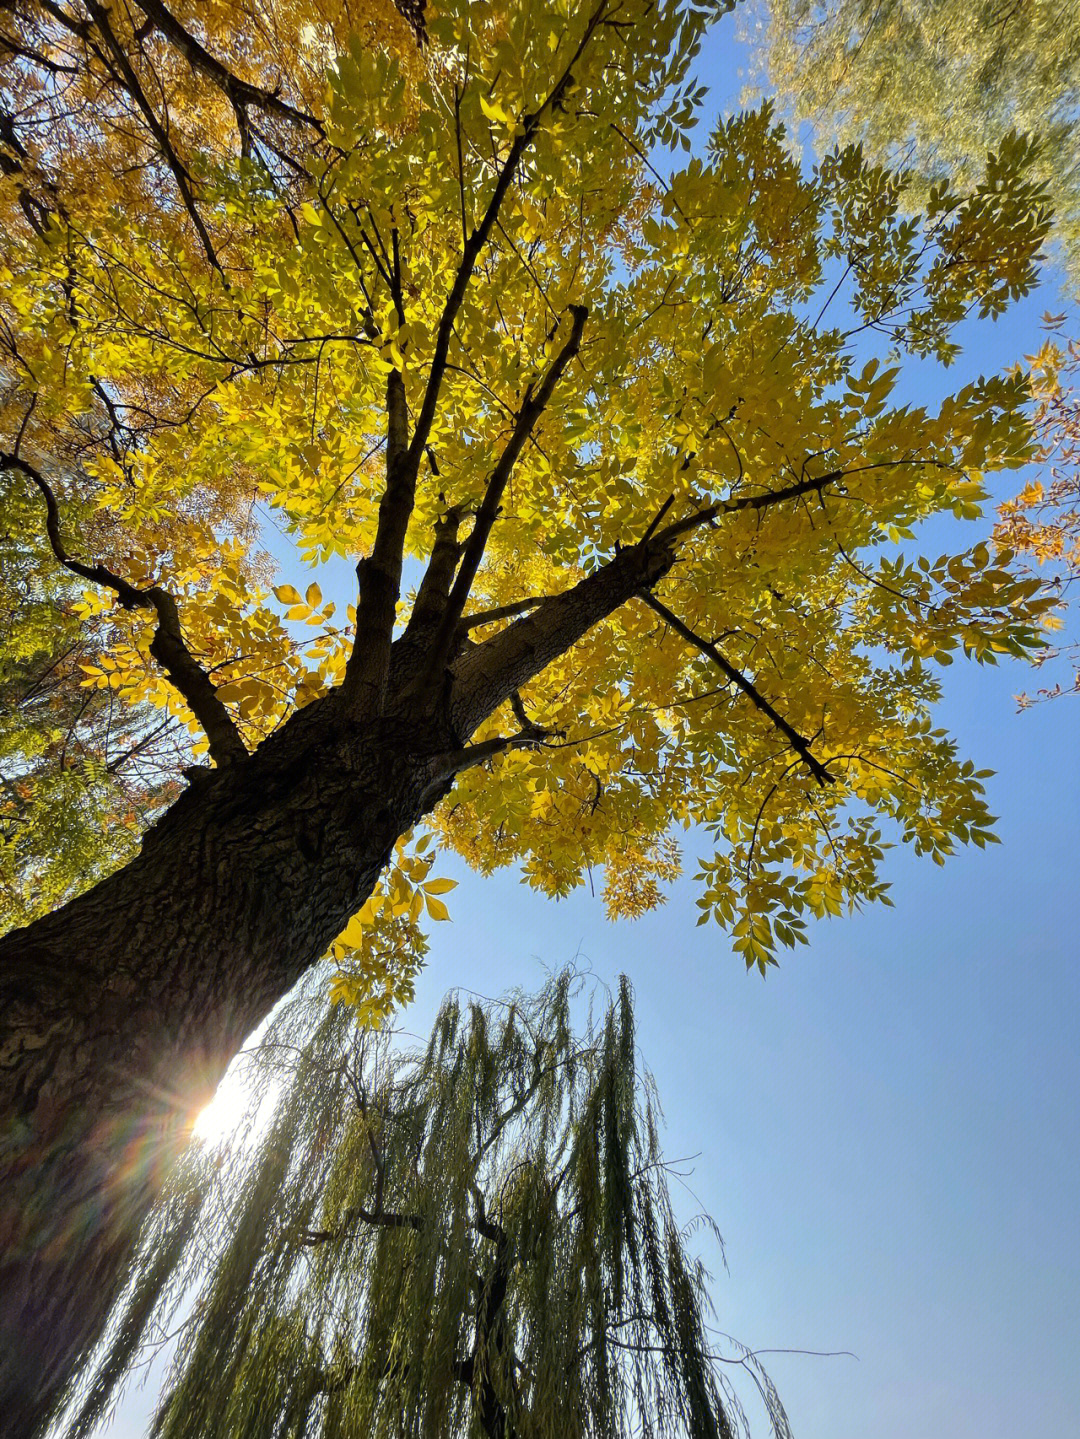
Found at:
[120, 1011]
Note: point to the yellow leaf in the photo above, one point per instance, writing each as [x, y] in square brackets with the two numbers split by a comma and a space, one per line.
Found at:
[494, 111]
[440, 886]
[435, 907]
[286, 595]
[353, 933]
[313, 595]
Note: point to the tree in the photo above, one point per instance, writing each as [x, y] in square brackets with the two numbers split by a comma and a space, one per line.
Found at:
[473, 1238]
[931, 84]
[80, 769]
[1042, 523]
[627, 504]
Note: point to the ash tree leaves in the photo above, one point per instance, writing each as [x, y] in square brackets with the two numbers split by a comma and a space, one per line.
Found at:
[80, 773]
[719, 395]
[382, 949]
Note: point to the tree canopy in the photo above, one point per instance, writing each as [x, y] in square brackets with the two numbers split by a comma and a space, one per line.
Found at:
[82, 771]
[1042, 522]
[478, 279]
[931, 84]
[928, 87]
[470, 1237]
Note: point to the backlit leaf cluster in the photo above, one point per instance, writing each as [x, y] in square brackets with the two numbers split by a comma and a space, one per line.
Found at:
[191, 388]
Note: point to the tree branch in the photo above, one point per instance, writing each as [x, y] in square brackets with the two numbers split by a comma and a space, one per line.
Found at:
[435, 586]
[240, 92]
[380, 1218]
[533, 407]
[168, 646]
[157, 129]
[367, 670]
[453, 762]
[529, 124]
[488, 674]
[800, 745]
[379, 574]
[485, 1226]
[752, 502]
[501, 612]
[13, 161]
[795, 491]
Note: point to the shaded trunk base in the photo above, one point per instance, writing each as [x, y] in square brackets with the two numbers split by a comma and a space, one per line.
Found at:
[121, 1011]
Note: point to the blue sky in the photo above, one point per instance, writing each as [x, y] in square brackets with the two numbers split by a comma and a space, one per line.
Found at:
[886, 1128]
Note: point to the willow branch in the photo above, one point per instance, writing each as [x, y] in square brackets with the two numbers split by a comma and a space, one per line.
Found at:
[168, 646]
[379, 1218]
[483, 1224]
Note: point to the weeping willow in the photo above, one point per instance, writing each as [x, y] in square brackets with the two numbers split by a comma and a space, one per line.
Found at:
[472, 1238]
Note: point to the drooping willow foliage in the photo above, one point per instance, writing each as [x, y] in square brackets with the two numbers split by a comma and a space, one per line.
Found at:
[474, 1238]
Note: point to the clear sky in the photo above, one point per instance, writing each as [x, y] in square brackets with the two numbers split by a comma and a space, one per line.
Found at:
[886, 1128]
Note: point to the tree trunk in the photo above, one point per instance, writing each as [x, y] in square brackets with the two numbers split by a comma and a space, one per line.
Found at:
[122, 1010]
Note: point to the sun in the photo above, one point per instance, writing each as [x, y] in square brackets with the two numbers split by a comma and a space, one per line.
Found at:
[242, 1107]
[225, 1114]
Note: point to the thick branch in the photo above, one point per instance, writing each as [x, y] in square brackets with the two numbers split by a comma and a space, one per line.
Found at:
[489, 1228]
[379, 575]
[527, 417]
[491, 1337]
[364, 687]
[381, 1218]
[168, 646]
[750, 502]
[488, 674]
[434, 588]
[240, 92]
[800, 745]
[157, 129]
[453, 762]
